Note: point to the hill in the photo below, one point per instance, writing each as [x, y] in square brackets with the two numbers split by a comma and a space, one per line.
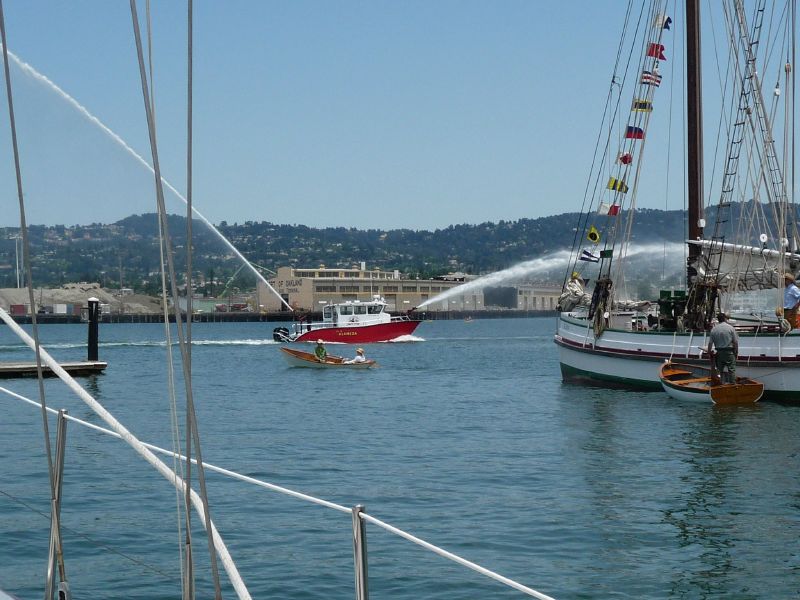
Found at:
[126, 253]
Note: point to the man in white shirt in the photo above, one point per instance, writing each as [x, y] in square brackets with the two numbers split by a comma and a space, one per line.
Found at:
[359, 357]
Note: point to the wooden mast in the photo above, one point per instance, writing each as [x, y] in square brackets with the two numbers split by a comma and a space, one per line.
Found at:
[694, 113]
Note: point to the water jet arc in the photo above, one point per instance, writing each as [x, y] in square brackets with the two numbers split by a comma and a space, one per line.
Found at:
[29, 70]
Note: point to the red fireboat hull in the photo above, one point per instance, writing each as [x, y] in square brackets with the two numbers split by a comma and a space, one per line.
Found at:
[362, 334]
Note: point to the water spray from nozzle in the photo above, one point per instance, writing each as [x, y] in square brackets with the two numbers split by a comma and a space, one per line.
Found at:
[29, 70]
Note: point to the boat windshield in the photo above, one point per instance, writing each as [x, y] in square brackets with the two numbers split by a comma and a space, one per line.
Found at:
[327, 313]
[346, 310]
[375, 309]
[360, 310]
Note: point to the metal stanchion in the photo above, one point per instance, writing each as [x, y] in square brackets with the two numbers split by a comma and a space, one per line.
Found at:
[56, 549]
[360, 553]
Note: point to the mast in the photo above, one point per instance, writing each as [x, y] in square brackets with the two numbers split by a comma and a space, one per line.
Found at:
[694, 112]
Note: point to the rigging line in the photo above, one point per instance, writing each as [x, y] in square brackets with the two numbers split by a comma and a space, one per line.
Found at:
[723, 121]
[191, 418]
[145, 566]
[26, 259]
[455, 558]
[190, 582]
[176, 465]
[644, 122]
[25, 67]
[209, 466]
[669, 153]
[301, 496]
[138, 446]
[581, 230]
[610, 238]
[95, 543]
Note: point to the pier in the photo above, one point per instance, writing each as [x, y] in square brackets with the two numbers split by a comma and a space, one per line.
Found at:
[91, 366]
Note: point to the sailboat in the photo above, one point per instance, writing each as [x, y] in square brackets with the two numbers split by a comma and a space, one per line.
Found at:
[607, 336]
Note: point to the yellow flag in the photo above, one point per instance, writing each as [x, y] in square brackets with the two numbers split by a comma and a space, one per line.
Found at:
[593, 235]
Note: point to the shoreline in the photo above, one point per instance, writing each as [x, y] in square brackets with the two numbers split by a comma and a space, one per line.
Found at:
[278, 317]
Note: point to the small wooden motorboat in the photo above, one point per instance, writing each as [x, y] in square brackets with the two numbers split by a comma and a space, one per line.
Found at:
[299, 358]
[695, 382]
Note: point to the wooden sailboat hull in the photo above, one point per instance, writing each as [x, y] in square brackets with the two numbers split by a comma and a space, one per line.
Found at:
[299, 358]
[696, 383]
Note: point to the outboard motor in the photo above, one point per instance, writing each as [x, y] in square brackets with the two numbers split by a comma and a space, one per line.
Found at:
[281, 334]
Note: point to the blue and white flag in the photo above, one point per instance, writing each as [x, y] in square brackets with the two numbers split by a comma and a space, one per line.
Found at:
[588, 256]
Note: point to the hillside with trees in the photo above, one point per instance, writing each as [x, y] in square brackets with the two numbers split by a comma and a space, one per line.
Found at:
[126, 253]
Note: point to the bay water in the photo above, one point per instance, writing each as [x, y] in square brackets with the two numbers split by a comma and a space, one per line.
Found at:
[466, 438]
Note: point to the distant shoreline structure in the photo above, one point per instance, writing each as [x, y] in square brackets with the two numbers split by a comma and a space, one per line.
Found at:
[251, 317]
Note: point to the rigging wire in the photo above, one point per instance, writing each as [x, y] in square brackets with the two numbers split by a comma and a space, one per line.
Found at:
[26, 260]
[189, 585]
[193, 435]
[580, 231]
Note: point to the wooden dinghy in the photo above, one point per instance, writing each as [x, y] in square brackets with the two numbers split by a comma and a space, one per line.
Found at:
[299, 358]
[694, 382]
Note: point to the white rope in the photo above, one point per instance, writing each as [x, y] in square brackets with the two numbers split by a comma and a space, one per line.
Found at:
[313, 500]
[140, 448]
[456, 558]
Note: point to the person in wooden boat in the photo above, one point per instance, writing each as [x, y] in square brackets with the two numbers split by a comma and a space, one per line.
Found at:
[320, 352]
[725, 340]
[358, 358]
[791, 299]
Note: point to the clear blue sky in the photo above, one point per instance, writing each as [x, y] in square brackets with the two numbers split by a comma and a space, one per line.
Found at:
[372, 114]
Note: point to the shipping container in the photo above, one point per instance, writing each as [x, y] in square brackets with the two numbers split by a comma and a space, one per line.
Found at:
[19, 309]
[59, 309]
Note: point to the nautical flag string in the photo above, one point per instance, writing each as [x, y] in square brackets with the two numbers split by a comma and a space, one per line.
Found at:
[634, 133]
[651, 78]
[656, 51]
[605, 208]
[641, 105]
[625, 158]
[618, 185]
[662, 21]
[588, 256]
[593, 235]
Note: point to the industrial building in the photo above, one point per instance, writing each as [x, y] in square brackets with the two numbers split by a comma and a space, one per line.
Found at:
[311, 288]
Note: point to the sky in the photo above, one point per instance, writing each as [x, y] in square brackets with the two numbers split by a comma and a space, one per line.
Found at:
[377, 114]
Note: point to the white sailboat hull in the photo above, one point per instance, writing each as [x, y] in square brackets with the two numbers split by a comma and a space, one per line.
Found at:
[626, 358]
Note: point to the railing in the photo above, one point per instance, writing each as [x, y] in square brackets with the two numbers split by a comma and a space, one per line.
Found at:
[359, 515]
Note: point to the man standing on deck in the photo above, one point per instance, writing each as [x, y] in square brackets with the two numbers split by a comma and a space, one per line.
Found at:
[791, 299]
[724, 338]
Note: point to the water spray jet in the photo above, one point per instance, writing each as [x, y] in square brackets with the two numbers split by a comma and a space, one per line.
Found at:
[30, 71]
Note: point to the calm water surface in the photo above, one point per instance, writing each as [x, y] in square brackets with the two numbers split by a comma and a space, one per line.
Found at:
[467, 439]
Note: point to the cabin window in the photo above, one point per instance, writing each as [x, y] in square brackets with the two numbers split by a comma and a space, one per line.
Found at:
[345, 310]
[375, 309]
[360, 310]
